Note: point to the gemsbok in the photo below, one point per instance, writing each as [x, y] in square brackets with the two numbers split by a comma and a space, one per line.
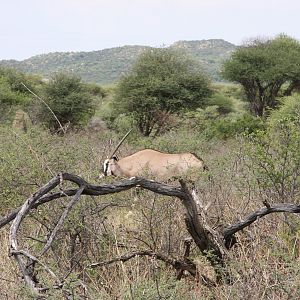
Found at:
[152, 164]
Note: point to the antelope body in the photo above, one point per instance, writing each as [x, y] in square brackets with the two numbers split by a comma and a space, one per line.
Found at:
[153, 163]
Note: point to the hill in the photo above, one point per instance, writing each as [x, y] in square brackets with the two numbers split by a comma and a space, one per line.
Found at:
[106, 66]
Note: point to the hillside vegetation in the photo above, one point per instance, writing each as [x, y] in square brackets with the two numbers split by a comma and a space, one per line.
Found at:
[106, 66]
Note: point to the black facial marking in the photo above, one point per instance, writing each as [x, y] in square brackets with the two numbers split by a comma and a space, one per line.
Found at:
[105, 168]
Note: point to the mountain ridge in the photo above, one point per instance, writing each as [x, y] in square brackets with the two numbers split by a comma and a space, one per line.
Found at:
[106, 66]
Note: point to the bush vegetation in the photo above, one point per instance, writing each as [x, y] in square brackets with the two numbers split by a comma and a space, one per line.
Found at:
[13, 94]
[253, 162]
[161, 83]
[95, 232]
[70, 101]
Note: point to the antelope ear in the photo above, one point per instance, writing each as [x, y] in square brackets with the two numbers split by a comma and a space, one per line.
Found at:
[115, 158]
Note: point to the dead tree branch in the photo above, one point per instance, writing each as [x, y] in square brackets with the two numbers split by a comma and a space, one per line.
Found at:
[177, 264]
[52, 112]
[203, 239]
[13, 241]
[187, 244]
[62, 219]
[214, 245]
[229, 231]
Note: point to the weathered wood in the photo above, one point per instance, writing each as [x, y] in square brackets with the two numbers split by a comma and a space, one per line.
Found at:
[13, 241]
[177, 264]
[229, 231]
[62, 219]
[202, 237]
[212, 244]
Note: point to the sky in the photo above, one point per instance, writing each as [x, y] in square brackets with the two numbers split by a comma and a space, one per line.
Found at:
[32, 27]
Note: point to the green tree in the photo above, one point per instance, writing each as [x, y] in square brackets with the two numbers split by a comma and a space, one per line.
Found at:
[161, 83]
[265, 69]
[13, 94]
[70, 101]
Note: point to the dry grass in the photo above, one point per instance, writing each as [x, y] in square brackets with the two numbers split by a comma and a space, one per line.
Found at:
[264, 263]
[10, 287]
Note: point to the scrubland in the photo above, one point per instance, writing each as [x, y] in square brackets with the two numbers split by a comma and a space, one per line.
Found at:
[264, 263]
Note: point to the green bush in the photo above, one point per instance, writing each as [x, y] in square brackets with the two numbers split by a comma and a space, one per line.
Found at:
[212, 125]
[29, 160]
[274, 153]
[95, 90]
[229, 90]
[13, 94]
[69, 100]
[233, 125]
[289, 109]
[224, 103]
[11, 97]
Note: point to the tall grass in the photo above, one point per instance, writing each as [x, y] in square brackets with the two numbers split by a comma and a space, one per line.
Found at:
[264, 263]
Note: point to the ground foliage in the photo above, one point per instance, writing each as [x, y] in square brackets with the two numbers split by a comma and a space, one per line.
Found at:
[252, 163]
[241, 176]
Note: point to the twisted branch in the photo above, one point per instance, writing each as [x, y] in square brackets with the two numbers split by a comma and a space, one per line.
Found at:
[214, 245]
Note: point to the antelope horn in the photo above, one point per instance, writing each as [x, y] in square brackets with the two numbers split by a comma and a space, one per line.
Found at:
[120, 143]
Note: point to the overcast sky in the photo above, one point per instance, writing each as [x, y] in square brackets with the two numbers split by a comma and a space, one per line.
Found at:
[30, 27]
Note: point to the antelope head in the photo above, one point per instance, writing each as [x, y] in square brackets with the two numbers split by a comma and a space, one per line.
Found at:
[112, 158]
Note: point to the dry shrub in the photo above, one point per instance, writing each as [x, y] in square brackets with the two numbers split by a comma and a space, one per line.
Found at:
[264, 263]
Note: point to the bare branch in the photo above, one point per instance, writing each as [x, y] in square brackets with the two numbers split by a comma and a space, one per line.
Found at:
[13, 242]
[94, 190]
[34, 259]
[187, 244]
[62, 219]
[212, 244]
[177, 264]
[52, 112]
[202, 237]
[229, 231]
[209, 241]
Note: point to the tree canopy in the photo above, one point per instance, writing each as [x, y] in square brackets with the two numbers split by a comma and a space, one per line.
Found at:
[162, 82]
[266, 69]
[69, 99]
[13, 94]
